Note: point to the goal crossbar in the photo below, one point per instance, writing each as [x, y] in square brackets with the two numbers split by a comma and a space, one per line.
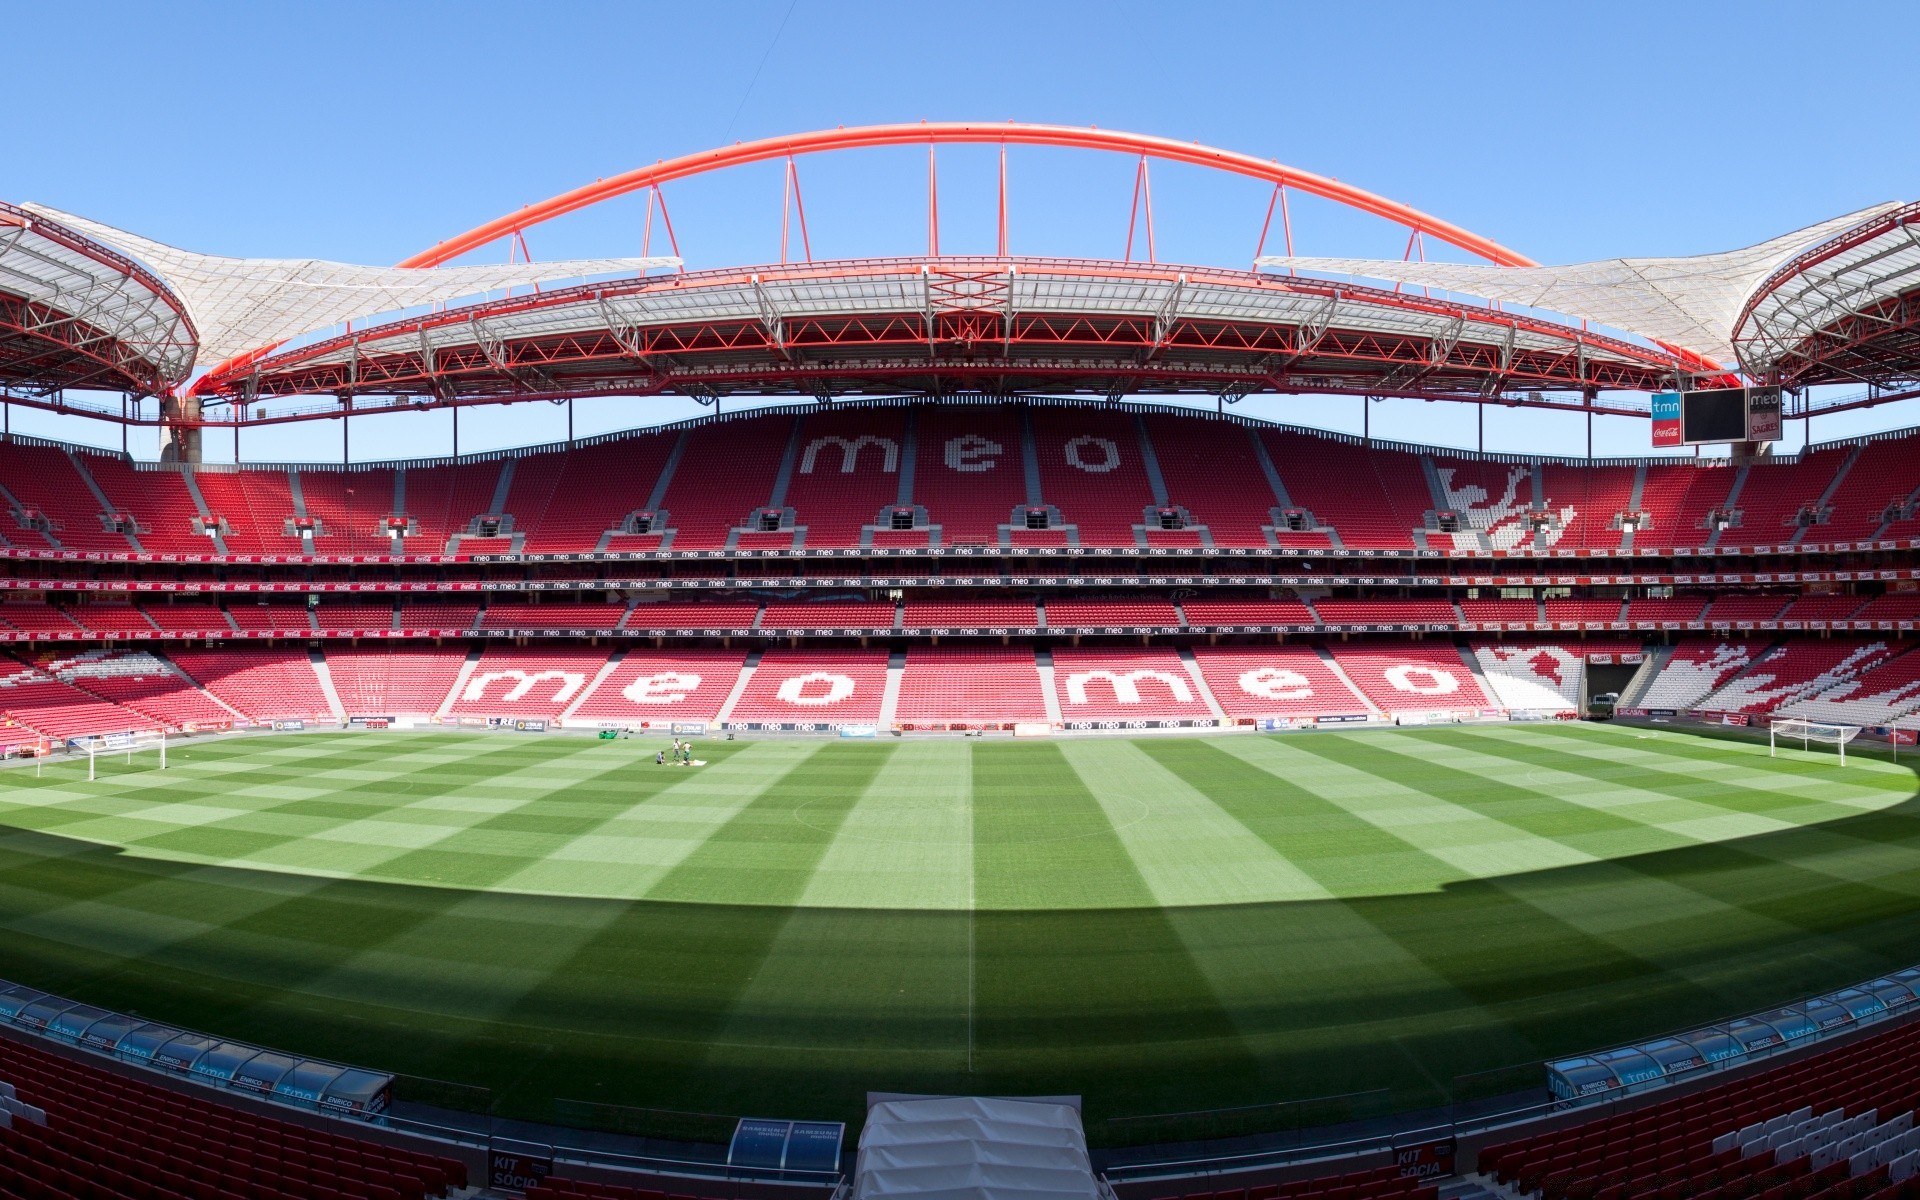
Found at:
[108, 744]
[1826, 733]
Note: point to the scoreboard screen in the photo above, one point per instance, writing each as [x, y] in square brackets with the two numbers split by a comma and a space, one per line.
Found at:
[1719, 415]
[1713, 415]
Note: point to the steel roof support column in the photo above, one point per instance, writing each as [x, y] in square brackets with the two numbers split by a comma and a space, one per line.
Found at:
[180, 429]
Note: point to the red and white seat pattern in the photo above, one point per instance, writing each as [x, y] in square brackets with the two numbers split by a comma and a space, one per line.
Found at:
[266, 685]
[1879, 696]
[1795, 670]
[526, 681]
[970, 614]
[1203, 611]
[815, 686]
[1493, 500]
[393, 680]
[1540, 676]
[1275, 681]
[968, 685]
[656, 687]
[1697, 667]
[35, 700]
[137, 680]
[1106, 685]
[1411, 678]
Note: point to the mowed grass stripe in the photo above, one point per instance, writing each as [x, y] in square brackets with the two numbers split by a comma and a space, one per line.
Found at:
[1057, 992]
[152, 801]
[1853, 843]
[1649, 916]
[633, 848]
[1367, 998]
[890, 891]
[1187, 849]
[908, 841]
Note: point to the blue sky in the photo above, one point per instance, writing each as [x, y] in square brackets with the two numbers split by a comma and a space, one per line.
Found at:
[365, 132]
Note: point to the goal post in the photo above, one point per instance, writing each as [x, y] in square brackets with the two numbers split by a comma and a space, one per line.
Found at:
[1808, 733]
[109, 745]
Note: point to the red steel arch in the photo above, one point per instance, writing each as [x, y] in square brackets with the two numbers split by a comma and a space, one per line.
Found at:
[957, 132]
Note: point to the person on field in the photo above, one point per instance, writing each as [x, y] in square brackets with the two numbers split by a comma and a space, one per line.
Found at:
[659, 758]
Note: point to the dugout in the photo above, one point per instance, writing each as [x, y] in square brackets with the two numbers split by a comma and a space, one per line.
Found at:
[182, 1052]
[263, 1072]
[143, 1043]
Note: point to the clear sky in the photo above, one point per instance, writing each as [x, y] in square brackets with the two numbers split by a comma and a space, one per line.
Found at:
[367, 131]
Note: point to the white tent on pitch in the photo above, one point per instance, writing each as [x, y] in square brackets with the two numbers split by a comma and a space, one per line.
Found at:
[974, 1148]
[1809, 732]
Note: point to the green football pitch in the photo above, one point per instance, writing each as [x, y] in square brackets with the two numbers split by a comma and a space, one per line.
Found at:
[1162, 924]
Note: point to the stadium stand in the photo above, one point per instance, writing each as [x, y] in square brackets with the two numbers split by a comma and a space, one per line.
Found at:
[250, 613]
[100, 1131]
[1719, 1142]
[598, 487]
[1794, 670]
[1208, 610]
[250, 508]
[1541, 676]
[1134, 611]
[1877, 696]
[1275, 681]
[1492, 500]
[351, 508]
[415, 617]
[725, 474]
[1646, 612]
[1411, 677]
[967, 471]
[112, 619]
[1871, 499]
[509, 615]
[811, 686]
[1587, 503]
[265, 685]
[335, 614]
[1373, 499]
[1821, 608]
[35, 700]
[1501, 611]
[828, 614]
[137, 680]
[1091, 470]
[36, 616]
[400, 680]
[969, 614]
[1777, 497]
[970, 685]
[675, 615]
[1677, 498]
[1754, 609]
[1893, 606]
[526, 681]
[1386, 611]
[847, 471]
[1125, 685]
[1697, 667]
[656, 686]
[1584, 612]
[188, 617]
[1214, 473]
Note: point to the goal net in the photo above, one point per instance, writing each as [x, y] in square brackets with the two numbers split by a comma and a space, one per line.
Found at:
[1809, 734]
[105, 749]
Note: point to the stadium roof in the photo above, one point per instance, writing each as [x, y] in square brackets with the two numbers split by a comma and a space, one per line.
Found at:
[1692, 303]
[74, 313]
[242, 304]
[1847, 309]
[943, 325]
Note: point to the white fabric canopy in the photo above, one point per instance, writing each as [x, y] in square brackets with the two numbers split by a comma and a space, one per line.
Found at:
[242, 304]
[1687, 302]
[974, 1148]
